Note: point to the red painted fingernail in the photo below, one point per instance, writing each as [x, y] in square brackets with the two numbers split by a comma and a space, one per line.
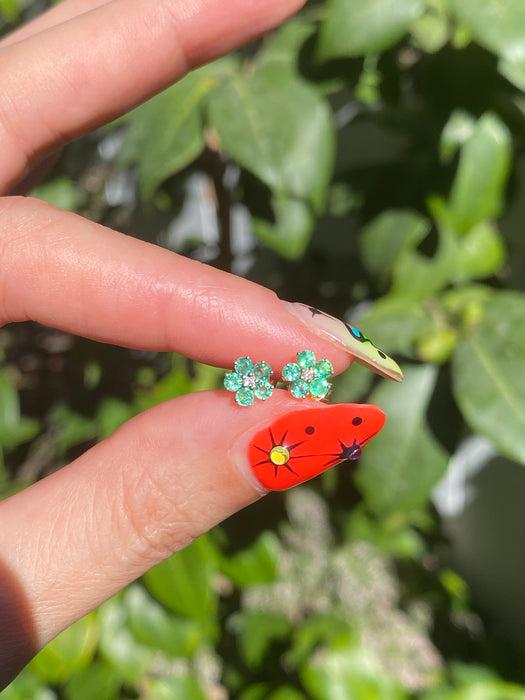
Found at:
[304, 443]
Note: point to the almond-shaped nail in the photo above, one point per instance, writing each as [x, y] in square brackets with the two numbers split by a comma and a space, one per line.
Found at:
[306, 442]
[347, 337]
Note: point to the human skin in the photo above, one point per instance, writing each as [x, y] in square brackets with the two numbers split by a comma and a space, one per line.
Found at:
[72, 540]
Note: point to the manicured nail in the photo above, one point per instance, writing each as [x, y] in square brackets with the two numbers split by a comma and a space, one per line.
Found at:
[347, 337]
[304, 443]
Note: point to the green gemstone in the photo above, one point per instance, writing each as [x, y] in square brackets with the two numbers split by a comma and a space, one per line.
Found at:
[263, 391]
[245, 397]
[262, 370]
[243, 365]
[305, 358]
[299, 389]
[324, 369]
[319, 388]
[232, 381]
[291, 372]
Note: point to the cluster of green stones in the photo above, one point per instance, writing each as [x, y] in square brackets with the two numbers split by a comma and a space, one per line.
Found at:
[308, 376]
[249, 381]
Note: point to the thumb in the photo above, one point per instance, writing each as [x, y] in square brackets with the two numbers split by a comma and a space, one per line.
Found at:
[75, 538]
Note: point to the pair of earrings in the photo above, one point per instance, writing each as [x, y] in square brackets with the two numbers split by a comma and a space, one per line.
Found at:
[308, 377]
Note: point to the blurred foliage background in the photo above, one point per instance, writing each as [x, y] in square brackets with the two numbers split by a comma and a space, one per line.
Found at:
[367, 158]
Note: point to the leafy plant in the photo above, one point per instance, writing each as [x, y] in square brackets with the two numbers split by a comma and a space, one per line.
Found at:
[366, 157]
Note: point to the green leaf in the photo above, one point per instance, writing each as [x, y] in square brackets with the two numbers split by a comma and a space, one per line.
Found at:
[354, 27]
[286, 693]
[387, 236]
[183, 686]
[497, 25]
[396, 324]
[457, 131]
[348, 671]
[482, 690]
[125, 655]
[314, 632]
[184, 582]
[14, 429]
[166, 133]
[489, 381]
[481, 252]
[256, 564]
[290, 234]
[257, 631]
[153, 626]
[10, 9]
[430, 31]
[27, 685]
[95, 681]
[62, 192]
[279, 128]
[401, 466]
[417, 277]
[478, 189]
[111, 414]
[351, 387]
[68, 653]
[286, 41]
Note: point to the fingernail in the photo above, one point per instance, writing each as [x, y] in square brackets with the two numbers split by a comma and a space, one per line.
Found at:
[304, 443]
[347, 337]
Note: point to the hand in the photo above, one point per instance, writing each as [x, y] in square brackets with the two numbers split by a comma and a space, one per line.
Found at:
[75, 538]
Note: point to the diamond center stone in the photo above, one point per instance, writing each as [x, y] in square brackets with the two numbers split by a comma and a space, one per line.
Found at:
[308, 374]
[250, 381]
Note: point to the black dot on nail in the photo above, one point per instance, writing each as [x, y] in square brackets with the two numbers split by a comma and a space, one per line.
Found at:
[310, 430]
[381, 354]
[357, 421]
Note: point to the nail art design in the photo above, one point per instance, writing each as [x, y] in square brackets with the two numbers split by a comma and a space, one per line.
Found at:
[349, 338]
[304, 443]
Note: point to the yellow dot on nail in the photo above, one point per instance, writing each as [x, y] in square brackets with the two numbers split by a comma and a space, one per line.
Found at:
[279, 455]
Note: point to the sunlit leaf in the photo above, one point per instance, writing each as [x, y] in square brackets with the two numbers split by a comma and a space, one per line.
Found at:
[497, 25]
[481, 252]
[181, 686]
[255, 564]
[61, 192]
[153, 625]
[68, 653]
[457, 131]
[348, 671]
[396, 324]
[184, 582]
[417, 276]
[489, 381]
[401, 466]
[118, 647]
[292, 229]
[14, 428]
[278, 127]
[387, 236]
[354, 27]
[97, 680]
[478, 188]
[257, 631]
[167, 132]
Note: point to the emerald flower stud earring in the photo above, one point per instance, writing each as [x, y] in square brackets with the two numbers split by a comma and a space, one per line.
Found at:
[249, 381]
[308, 376]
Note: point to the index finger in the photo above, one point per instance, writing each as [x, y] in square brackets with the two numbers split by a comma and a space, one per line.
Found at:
[70, 273]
